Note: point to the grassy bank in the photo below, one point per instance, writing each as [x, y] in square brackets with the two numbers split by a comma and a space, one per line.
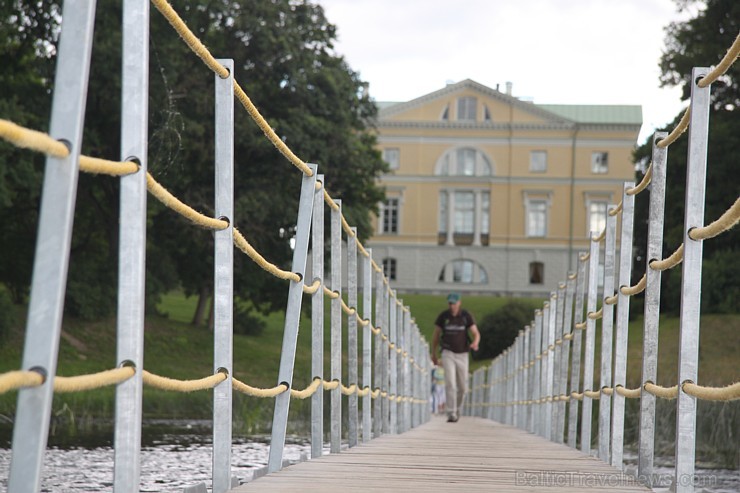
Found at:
[176, 349]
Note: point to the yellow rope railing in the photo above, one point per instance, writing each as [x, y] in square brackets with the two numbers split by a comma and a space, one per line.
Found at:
[14, 380]
[242, 387]
[94, 380]
[643, 183]
[728, 393]
[669, 262]
[725, 222]
[660, 391]
[172, 384]
[636, 289]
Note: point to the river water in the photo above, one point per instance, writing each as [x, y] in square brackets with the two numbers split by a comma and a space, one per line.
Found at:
[173, 458]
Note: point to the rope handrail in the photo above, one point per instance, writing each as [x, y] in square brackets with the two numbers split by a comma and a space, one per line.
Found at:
[197, 47]
[628, 393]
[592, 394]
[245, 247]
[242, 387]
[643, 183]
[616, 210]
[600, 237]
[577, 395]
[611, 300]
[165, 383]
[597, 314]
[660, 391]
[725, 222]
[313, 287]
[584, 257]
[308, 391]
[14, 380]
[669, 262]
[732, 54]
[683, 124]
[728, 393]
[172, 202]
[94, 380]
[636, 289]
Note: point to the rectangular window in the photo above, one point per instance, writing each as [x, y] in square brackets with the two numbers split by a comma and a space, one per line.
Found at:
[392, 156]
[464, 212]
[462, 271]
[536, 218]
[597, 216]
[466, 162]
[536, 273]
[389, 216]
[538, 161]
[467, 108]
[443, 212]
[599, 162]
[389, 268]
[485, 213]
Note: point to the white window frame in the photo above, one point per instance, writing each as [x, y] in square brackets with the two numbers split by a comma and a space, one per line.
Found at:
[467, 109]
[538, 161]
[603, 204]
[392, 205]
[533, 197]
[463, 216]
[392, 156]
[390, 266]
[600, 162]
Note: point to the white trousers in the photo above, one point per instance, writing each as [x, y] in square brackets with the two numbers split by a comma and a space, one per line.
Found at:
[456, 380]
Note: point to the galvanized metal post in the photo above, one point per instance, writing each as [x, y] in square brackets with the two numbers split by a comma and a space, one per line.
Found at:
[509, 381]
[517, 364]
[132, 243]
[223, 279]
[352, 373]
[550, 314]
[575, 369]
[386, 403]
[526, 384]
[607, 337]
[589, 347]
[537, 374]
[646, 447]
[292, 316]
[557, 353]
[394, 378]
[317, 321]
[688, 359]
[43, 326]
[367, 309]
[623, 305]
[491, 390]
[380, 348]
[565, 356]
[335, 429]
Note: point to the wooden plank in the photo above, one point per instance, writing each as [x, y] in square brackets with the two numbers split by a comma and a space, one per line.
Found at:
[471, 455]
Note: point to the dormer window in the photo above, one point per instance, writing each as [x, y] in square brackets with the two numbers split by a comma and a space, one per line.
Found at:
[467, 108]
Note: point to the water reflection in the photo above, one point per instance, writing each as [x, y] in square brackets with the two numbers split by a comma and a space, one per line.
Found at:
[170, 460]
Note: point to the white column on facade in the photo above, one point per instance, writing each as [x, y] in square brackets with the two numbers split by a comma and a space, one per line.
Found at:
[477, 214]
[450, 217]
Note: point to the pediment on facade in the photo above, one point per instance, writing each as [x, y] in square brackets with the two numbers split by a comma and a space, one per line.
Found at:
[484, 106]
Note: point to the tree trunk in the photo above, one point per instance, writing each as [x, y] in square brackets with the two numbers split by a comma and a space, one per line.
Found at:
[200, 309]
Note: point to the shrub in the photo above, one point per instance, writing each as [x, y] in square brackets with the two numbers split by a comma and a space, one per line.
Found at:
[499, 329]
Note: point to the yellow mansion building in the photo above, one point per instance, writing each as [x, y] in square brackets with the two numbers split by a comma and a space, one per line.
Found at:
[491, 194]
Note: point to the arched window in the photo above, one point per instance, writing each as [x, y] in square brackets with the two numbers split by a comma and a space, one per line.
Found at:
[464, 161]
[463, 271]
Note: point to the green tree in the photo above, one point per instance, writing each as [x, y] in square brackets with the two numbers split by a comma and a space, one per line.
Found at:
[499, 329]
[700, 41]
[285, 61]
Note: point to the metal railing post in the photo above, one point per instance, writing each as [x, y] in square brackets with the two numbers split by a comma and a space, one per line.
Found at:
[688, 359]
[565, 356]
[408, 347]
[335, 429]
[388, 352]
[352, 373]
[132, 243]
[607, 336]
[292, 317]
[589, 346]
[526, 384]
[367, 308]
[393, 363]
[550, 362]
[223, 279]
[557, 353]
[646, 447]
[380, 348]
[537, 374]
[51, 260]
[575, 369]
[623, 306]
[317, 321]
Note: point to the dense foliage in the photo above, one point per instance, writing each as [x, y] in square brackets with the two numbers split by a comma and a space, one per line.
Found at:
[499, 329]
[284, 59]
[700, 42]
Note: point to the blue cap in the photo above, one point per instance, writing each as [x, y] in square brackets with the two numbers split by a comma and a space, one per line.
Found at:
[453, 298]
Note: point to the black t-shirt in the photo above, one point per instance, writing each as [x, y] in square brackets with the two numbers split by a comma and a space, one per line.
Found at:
[455, 330]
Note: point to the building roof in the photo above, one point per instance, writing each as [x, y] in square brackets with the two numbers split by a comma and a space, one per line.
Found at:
[597, 113]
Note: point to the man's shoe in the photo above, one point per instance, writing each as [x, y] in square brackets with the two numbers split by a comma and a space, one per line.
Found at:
[452, 418]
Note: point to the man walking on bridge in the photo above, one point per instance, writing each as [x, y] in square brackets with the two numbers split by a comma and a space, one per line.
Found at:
[453, 325]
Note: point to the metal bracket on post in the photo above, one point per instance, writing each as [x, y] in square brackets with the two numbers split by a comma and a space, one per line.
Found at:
[317, 320]
[223, 280]
[688, 358]
[646, 445]
[292, 317]
[335, 429]
[51, 260]
[367, 309]
[607, 336]
[620, 344]
[590, 345]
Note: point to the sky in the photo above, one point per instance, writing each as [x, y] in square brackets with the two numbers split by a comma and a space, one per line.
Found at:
[553, 51]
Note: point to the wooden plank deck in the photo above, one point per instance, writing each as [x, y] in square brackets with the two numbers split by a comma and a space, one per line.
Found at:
[471, 455]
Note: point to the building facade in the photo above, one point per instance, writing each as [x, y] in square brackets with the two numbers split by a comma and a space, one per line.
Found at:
[491, 194]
